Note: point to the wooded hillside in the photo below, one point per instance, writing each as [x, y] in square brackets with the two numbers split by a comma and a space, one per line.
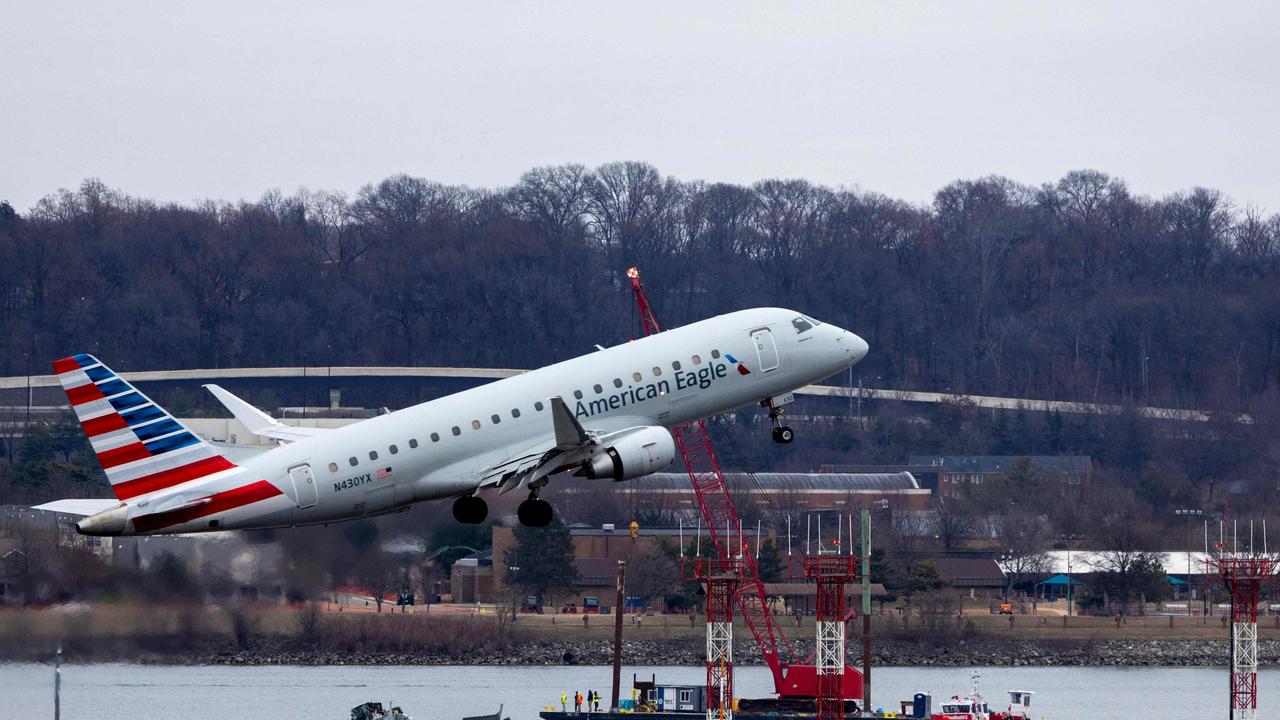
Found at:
[1079, 289]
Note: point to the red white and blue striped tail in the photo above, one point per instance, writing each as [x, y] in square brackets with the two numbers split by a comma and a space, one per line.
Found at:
[141, 447]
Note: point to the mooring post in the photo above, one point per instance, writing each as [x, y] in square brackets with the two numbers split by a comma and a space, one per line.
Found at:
[866, 610]
[617, 635]
[57, 683]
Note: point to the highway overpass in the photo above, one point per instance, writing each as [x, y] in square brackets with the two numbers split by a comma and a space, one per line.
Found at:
[207, 375]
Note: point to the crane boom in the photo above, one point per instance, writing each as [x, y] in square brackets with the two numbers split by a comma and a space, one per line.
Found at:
[723, 524]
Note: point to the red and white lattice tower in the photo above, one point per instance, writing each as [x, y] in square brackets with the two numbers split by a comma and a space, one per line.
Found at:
[830, 573]
[1244, 575]
[720, 577]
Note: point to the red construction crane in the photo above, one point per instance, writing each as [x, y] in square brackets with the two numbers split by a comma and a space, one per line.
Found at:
[791, 679]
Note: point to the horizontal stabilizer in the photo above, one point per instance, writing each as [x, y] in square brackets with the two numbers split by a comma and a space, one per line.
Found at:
[260, 423]
[79, 507]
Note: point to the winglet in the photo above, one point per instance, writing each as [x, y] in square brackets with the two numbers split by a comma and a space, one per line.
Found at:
[258, 422]
[569, 432]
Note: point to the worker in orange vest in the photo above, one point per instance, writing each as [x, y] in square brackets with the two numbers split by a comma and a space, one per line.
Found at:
[577, 701]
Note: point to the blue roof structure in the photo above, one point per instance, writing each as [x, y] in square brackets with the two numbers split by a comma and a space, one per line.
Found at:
[1061, 580]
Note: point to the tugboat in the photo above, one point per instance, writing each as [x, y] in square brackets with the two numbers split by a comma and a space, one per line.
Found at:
[374, 711]
[974, 706]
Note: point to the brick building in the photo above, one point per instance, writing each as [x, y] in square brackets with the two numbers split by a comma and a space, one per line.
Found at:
[958, 471]
[793, 493]
[596, 552]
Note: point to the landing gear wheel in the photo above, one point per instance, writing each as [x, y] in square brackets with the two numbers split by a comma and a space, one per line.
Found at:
[781, 433]
[470, 509]
[535, 513]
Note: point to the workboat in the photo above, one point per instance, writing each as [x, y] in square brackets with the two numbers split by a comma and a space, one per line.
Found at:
[974, 706]
[374, 711]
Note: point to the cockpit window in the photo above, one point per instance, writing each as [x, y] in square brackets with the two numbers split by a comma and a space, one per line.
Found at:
[801, 325]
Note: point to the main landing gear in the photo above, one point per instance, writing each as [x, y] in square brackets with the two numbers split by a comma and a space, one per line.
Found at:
[535, 512]
[470, 509]
[781, 433]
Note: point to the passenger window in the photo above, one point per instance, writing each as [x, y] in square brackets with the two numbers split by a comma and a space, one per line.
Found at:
[354, 462]
[715, 354]
[598, 389]
[637, 377]
[457, 430]
[657, 371]
[333, 467]
[475, 424]
[538, 406]
[515, 412]
[697, 359]
[577, 394]
[675, 366]
[393, 449]
[495, 419]
[801, 325]
[617, 382]
[373, 454]
[435, 437]
[413, 442]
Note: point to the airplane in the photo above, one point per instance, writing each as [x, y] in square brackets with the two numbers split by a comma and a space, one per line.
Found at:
[605, 415]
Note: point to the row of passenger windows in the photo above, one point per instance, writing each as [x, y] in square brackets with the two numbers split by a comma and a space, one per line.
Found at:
[435, 438]
[639, 377]
[515, 412]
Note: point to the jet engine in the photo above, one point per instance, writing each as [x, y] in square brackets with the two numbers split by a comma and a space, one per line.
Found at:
[639, 452]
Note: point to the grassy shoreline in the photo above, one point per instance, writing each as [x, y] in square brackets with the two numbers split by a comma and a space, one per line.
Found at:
[178, 634]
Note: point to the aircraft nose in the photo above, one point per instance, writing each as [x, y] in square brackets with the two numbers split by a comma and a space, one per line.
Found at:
[859, 347]
[854, 345]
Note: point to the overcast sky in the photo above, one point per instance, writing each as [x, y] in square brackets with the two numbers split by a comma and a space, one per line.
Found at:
[224, 100]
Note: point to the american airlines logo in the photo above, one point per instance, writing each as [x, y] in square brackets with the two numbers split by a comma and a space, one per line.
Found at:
[636, 394]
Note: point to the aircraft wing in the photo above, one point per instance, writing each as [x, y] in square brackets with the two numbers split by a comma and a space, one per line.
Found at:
[570, 446]
[260, 423]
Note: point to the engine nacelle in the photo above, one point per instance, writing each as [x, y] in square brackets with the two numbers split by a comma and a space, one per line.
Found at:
[637, 453]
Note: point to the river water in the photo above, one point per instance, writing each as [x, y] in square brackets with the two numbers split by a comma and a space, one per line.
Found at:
[134, 692]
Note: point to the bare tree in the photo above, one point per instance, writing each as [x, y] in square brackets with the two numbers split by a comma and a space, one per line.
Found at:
[953, 523]
[653, 575]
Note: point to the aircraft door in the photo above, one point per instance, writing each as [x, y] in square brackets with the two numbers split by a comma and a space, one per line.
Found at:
[304, 485]
[766, 350]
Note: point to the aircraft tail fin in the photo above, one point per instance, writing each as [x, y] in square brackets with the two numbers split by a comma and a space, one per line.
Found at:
[141, 447]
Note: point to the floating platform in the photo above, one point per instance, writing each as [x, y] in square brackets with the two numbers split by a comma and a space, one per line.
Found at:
[676, 715]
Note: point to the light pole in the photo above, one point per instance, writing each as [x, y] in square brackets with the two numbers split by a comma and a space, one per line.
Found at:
[515, 599]
[1006, 562]
[1070, 601]
[851, 392]
[1189, 514]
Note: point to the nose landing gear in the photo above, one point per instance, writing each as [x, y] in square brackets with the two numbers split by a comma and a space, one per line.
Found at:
[781, 433]
[470, 509]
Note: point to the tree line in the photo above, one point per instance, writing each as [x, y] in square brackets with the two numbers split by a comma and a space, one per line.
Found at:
[1078, 289]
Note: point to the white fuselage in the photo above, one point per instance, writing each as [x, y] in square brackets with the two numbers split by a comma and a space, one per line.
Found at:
[442, 448]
